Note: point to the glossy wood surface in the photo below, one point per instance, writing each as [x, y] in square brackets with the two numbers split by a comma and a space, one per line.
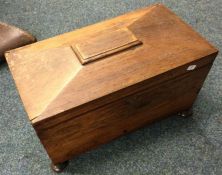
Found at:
[90, 86]
[89, 130]
[51, 79]
[105, 44]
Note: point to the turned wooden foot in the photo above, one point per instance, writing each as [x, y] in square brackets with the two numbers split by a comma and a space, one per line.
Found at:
[185, 113]
[59, 167]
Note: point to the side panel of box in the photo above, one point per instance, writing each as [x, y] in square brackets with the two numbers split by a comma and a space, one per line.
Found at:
[85, 132]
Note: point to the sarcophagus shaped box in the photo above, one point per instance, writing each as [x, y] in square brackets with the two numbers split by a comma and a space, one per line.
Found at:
[90, 86]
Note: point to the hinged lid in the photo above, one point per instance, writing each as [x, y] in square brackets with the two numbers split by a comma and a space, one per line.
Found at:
[52, 75]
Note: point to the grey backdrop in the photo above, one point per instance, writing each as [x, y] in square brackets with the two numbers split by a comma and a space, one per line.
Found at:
[173, 146]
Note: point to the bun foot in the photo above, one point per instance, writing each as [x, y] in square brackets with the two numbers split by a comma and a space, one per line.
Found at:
[186, 113]
[58, 168]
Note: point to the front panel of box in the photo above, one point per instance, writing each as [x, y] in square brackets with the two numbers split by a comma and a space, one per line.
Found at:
[89, 130]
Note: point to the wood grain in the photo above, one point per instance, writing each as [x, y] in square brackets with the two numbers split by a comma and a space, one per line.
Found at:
[59, 82]
[105, 44]
[90, 86]
[77, 135]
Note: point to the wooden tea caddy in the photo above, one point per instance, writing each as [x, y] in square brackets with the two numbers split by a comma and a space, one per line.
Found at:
[90, 86]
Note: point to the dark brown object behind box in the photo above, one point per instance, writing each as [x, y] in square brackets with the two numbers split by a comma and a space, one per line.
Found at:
[90, 86]
[12, 37]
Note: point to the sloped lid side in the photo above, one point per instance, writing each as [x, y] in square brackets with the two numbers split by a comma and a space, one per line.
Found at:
[167, 43]
[41, 76]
